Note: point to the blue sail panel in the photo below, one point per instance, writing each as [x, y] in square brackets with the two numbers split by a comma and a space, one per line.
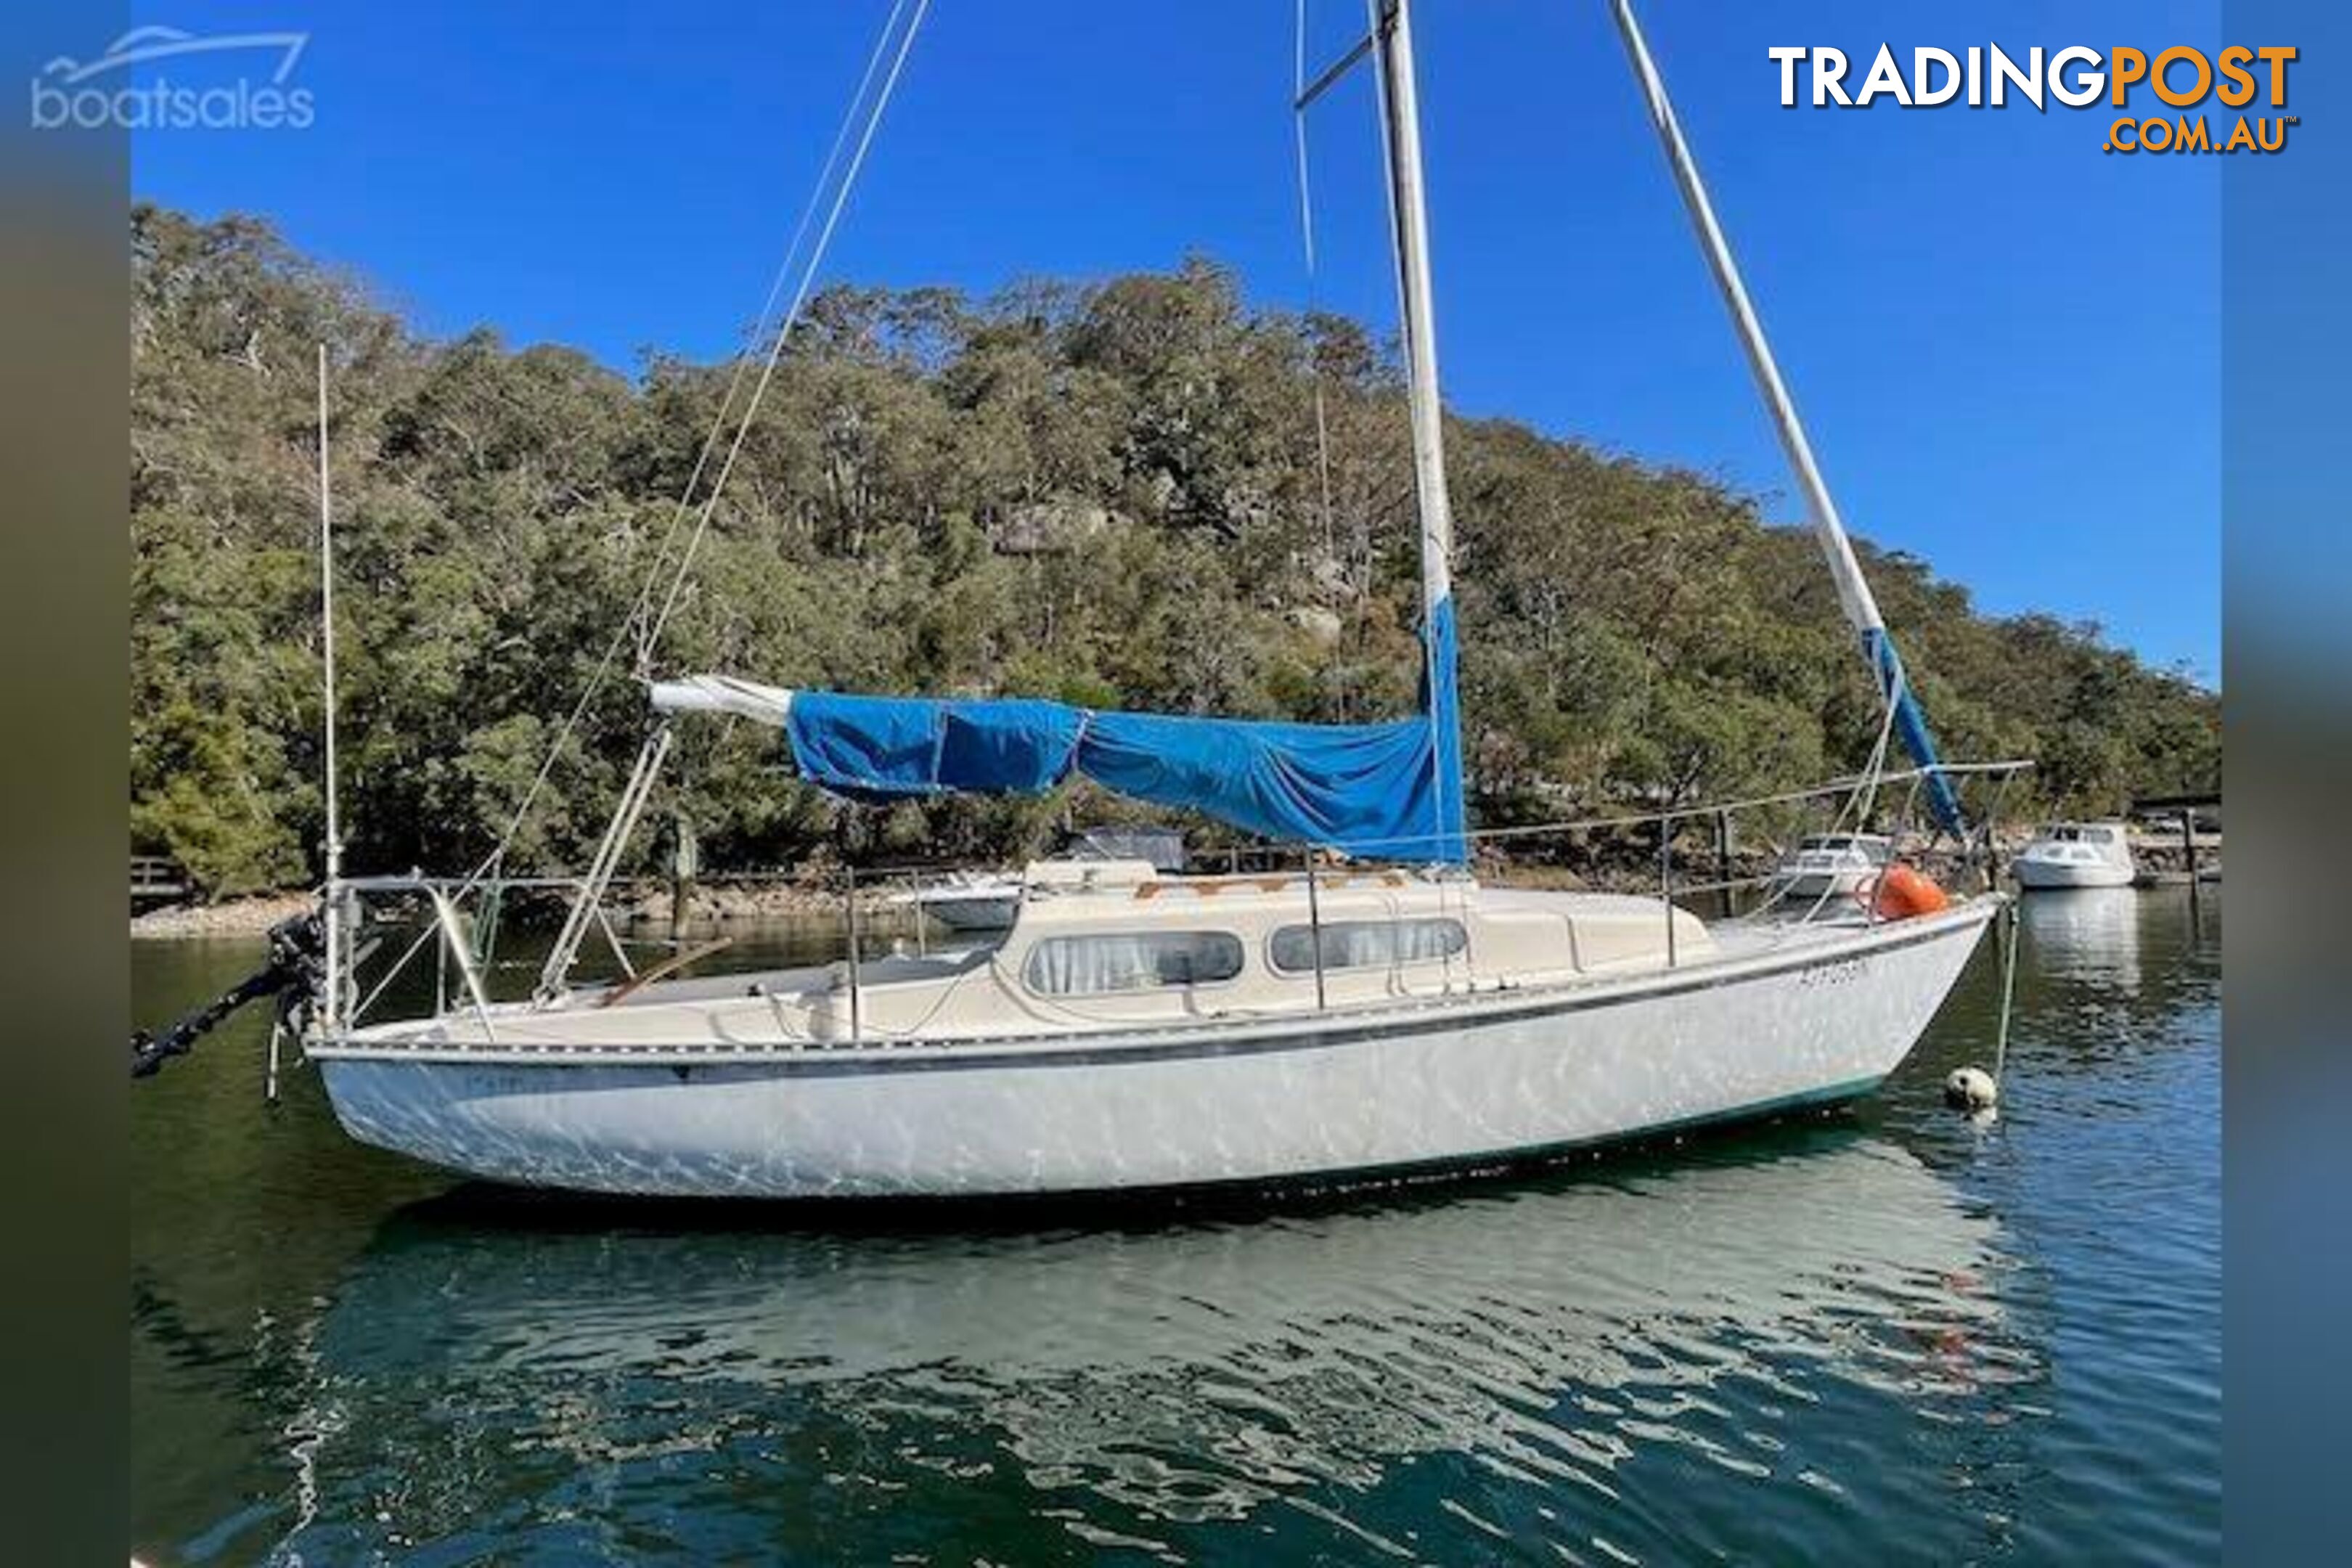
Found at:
[1368, 789]
[895, 748]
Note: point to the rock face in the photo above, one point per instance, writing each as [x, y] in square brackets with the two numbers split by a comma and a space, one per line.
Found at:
[1330, 578]
[1322, 626]
[1048, 527]
[754, 901]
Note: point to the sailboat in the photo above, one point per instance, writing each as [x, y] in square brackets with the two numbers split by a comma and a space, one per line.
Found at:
[1374, 1012]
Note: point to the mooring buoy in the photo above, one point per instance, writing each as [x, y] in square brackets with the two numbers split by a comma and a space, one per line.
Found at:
[1971, 1089]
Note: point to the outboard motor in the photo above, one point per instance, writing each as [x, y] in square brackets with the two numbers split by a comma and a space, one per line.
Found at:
[295, 973]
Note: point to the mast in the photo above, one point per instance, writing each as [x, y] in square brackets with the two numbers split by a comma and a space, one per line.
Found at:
[1852, 590]
[329, 1005]
[1401, 112]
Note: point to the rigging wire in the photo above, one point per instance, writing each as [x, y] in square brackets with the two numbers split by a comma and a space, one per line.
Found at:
[1864, 796]
[648, 634]
[792, 317]
[760, 331]
[1388, 167]
[1306, 243]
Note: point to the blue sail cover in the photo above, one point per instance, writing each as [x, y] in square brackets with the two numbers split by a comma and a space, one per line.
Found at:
[890, 748]
[1366, 789]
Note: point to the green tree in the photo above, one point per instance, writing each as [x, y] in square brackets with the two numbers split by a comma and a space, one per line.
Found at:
[1113, 494]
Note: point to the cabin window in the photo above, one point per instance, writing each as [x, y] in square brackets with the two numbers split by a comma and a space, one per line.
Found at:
[1131, 961]
[1365, 944]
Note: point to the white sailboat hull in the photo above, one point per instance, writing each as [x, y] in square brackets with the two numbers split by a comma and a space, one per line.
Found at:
[1459, 1079]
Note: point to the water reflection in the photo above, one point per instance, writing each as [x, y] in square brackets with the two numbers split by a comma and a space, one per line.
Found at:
[1145, 1380]
[2109, 980]
[2089, 935]
[1900, 1335]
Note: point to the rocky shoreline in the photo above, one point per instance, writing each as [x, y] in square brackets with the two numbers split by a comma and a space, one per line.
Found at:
[752, 901]
[253, 916]
[230, 918]
[768, 900]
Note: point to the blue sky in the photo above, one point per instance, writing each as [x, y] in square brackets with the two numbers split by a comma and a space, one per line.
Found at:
[2005, 342]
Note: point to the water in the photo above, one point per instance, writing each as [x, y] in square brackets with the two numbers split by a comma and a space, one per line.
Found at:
[1888, 1335]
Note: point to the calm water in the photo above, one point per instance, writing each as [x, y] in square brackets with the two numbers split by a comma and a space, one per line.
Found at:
[1890, 1336]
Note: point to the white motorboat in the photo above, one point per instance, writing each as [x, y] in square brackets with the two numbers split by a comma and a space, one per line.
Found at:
[1376, 1011]
[981, 902]
[969, 900]
[1833, 864]
[2076, 855]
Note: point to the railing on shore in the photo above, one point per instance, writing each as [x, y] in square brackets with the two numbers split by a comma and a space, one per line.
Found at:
[158, 879]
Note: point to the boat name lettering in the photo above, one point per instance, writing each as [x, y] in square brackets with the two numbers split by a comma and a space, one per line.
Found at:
[1844, 972]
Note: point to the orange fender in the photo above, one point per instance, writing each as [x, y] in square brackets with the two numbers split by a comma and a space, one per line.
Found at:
[1904, 892]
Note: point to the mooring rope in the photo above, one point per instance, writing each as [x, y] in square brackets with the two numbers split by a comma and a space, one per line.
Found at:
[2008, 990]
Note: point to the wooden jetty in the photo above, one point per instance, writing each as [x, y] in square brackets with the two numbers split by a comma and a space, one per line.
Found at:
[2182, 812]
[157, 879]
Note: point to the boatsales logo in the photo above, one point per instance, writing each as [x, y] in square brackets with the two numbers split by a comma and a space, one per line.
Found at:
[1987, 75]
[69, 94]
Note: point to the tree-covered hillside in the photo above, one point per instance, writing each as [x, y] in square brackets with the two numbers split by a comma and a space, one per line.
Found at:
[1107, 493]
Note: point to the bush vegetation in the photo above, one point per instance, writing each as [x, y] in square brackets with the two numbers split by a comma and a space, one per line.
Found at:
[1106, 494]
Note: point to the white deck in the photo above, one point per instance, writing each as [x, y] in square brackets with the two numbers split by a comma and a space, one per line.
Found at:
[1515, 940]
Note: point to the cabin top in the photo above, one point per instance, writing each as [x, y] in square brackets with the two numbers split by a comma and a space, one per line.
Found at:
[2082, 833]
[1268, 929]
[1869, 843]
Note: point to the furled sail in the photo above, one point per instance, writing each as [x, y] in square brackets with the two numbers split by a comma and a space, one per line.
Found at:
[1911, 727]
[1366, 789]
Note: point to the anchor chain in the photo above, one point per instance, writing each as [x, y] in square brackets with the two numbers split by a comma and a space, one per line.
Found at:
[295, 973]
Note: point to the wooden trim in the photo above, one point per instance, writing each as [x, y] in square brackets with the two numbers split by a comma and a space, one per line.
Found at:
[667, 966]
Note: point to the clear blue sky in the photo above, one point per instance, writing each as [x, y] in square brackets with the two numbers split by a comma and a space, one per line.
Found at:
[2006, 342]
